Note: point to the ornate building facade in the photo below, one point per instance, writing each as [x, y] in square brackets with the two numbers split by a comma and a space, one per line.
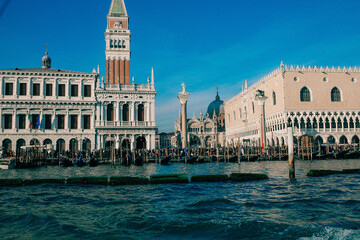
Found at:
[320, 102]
[126, 110]
[205, 131]
[74, 111]
[41, 106]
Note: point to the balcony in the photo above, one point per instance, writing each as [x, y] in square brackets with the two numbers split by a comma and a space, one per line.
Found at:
[124, 124]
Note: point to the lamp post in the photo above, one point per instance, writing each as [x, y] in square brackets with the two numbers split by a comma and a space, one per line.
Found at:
[261, 98]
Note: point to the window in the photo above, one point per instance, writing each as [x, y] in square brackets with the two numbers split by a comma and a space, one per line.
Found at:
[48, 90]
[47, 121]
[61, 122]
[35, 121]
[125, 113]
[335, 95]
[141, 113]
[8, 121]
[22, 121]
[22, 91]
[87, 90]
[61, 90]
[74, 122]
[9, 89]
[253, 107]
[86, 119]
[305, 95]
[239, 113]
[274, 98]
[234, 116]
[36, 89]
[74, 90]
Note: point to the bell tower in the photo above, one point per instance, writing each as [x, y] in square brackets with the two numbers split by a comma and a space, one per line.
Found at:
[117, 37]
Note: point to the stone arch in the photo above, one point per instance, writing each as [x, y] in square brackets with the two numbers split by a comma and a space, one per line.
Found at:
[282, 141]
[318, 141]
[125, 144]
[141, 143]
[355, 140]
[125, 113]
[6, 147]
[140, 115]
[331, 139]
[47, 141]
[60, 145]
[86, 145]
[34, 142]
[208, 141]
[195, 141]
[74, 145]
[345, 123]
[343, 140]
[110, 112]
[333, 123]
[20, 143]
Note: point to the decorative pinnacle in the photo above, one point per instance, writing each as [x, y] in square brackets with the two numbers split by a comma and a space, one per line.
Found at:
[152, 76]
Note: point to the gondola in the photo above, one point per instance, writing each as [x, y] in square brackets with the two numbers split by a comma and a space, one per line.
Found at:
[165, 161]
[352, 155]
[81, 163]
[192, 160]
[93, 162]
[67, 163]
[233, 159]
[139, 161]
[340, 154]
[125, 161]
[200, 160]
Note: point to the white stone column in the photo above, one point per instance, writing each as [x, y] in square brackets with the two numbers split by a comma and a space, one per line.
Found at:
[53, 121]
[132, 112]
[120, 113]
[136, 112]
[29, 88]
[1, 121]
[1, 87]
[56, 88]
[16, 90]
[14, 121]
[67, 121]
[153, 113]
[80, 122]
[42, 89]
[148, 143]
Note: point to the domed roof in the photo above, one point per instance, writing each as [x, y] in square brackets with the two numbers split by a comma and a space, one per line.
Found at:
[216, 105]
[46, 61]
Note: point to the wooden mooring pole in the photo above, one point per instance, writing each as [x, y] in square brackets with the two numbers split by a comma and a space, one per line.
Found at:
[291, 152]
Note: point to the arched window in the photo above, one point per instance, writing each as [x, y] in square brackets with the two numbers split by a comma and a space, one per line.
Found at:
[140, 113]
[253, 107]
[245, 113]
[110, 113]
[125, 113]
[240, 113]
[305, 95]
[274, 98]
[335, 95]
[234, 115]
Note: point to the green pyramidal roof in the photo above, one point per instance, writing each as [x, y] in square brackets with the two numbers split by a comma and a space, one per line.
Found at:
[118, 8]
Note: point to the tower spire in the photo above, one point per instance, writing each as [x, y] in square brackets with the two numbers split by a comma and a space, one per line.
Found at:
[217, 93]
[117, 37]
[118, 8]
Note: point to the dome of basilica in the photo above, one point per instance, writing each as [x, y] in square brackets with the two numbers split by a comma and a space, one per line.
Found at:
[217, 105]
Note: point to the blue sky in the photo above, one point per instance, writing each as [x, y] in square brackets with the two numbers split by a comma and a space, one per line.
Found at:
[200, 42]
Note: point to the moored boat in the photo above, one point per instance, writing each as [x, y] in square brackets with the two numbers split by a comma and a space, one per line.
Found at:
[7, 163]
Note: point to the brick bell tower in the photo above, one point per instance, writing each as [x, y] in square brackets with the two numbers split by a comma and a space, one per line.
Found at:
[117, 37]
